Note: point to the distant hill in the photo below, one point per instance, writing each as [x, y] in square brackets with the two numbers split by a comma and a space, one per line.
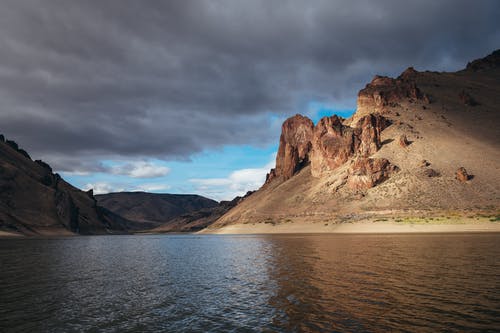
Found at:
[153, 209]
[35, 201]
[200, 219]
[422, 144]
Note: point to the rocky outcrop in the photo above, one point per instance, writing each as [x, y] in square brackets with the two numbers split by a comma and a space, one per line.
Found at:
[365, 173]
[295, 144]
[371, 126]
[424, 163]
[431, 173]
[491, 61]
[383, 92]
[403, 141]
[335, 143]
[325, 146]
[462, 175]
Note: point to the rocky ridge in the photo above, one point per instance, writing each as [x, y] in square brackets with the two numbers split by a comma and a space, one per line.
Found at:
[36, 201]
[329, 145]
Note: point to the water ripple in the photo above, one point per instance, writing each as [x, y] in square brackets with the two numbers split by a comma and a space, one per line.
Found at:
[185, 283]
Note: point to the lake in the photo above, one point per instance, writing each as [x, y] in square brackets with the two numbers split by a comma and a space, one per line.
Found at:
[268, 283]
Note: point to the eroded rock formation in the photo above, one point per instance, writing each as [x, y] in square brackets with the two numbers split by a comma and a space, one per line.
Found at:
[335, 143]
[383, 92]
[295, 144]
[403, 141]
[462, 175]
[326, 146]
[365, 173]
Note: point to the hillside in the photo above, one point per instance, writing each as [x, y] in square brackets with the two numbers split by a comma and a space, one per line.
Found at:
[423, 144]
[151, 209]
[200, 219]
[35, 201]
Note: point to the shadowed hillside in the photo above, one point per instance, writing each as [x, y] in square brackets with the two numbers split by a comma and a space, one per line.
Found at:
[153, 209]
[35, 201]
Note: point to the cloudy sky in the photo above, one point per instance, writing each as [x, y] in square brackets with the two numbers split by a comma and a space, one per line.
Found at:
[188, 96]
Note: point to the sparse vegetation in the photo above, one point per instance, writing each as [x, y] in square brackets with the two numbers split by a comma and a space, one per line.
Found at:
[269, 221]
[495, 218]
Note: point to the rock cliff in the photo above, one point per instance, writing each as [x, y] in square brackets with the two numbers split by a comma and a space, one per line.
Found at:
[326, 146]
[294, 148]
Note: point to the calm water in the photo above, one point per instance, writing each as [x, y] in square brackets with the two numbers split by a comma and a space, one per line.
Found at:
[296, 283]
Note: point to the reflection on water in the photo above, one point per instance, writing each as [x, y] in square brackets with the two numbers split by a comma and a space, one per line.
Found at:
[282, 283]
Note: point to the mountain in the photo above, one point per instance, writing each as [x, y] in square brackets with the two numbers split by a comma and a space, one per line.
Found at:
[422, 144]
[151, 209]
[200, 219]
[35, 201]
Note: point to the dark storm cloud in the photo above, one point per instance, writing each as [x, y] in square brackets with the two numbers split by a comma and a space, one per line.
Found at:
[166, 79]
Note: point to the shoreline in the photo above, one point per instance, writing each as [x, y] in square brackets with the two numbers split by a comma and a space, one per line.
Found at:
[7, 234]
[361, 227]
[368, 226]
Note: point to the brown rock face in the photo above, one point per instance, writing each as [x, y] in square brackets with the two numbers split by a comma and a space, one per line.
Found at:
[403, 141]
[371, 126]
[431, 173]
[462, 175]
[295, 144]
[365, 173]
[270, 175]
[334, 143]
[384, 92]
[489, 62]
[326, 146]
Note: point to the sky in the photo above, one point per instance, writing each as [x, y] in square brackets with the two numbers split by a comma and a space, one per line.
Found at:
[189, 96]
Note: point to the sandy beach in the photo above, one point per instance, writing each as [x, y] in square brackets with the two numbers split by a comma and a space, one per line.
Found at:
[6, 234]
[362, 227]
[40, 232]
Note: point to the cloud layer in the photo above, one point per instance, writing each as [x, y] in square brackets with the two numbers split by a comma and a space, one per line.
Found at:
[236, 184]
[109, 187]
[165, 79]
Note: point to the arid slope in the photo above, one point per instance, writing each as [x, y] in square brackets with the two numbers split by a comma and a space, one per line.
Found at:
[365, 168]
